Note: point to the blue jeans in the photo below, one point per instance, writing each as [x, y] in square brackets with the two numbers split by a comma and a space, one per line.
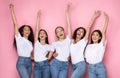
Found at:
[42, 69]
[24, 67]
[78, 70]
[97, 70]
[59, 69]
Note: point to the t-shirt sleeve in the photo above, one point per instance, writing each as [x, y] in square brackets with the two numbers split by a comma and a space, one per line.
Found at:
[50, 48]
[104, 45]
[68, 39]
[85, 41]
[19, 37]
[36, 43]
[53, 45]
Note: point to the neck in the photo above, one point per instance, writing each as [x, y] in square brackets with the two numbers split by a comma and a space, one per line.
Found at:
[25, 37]
[77, 39]
[61, 39]
[42, 42]
[95, 42]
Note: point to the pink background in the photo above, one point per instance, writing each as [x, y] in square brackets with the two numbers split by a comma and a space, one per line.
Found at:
[53, 14]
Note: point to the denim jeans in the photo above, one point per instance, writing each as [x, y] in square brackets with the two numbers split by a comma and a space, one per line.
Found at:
[78, 70]
[24, 67]
[97, 70]
[59, 69]
[42, 69]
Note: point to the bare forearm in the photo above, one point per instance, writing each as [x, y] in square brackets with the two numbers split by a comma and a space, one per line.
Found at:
[50, 55]
[105, 27]
[68, 25]
[94, 17]
[14, 19]
[68, 20]
[37, 26]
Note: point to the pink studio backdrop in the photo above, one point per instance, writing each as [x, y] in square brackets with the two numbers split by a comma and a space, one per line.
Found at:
[53, 14]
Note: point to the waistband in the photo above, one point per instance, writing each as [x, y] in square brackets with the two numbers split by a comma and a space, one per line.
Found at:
[42, 62]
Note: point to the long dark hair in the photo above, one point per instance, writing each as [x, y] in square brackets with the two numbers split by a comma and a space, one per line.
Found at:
[46, 40]
[100, 34]
[30, 37]
[75, 33]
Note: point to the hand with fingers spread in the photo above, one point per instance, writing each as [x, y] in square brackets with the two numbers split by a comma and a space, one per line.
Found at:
[96, 14]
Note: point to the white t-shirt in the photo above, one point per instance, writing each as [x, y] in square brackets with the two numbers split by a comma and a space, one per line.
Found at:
[24, 46]
[62, 48]
[77, 51]
[40, 51]
[94, 53]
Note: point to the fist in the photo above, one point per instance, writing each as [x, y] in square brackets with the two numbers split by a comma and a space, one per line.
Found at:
[106, 16]
[55, 54]
[11, 6]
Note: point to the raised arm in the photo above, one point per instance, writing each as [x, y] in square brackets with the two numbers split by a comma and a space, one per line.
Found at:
[37, 25]
[94, 17]
[68, 20]
[105, 28]
[11, 6]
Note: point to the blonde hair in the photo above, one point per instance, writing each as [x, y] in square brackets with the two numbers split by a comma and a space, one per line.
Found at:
[56, 37]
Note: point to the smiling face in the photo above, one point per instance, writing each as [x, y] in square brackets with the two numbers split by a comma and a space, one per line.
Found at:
[42, 35]
[59, 31]
[80, 33]
[26, 31]
[96, 36]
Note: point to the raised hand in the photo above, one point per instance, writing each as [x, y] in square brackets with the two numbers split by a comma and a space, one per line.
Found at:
[39, 13]
[105, 27]
[37, 25]
[96, 14]
[68, 6]
[68, 20]
[11, 6]
[106, 16]
[94, 17]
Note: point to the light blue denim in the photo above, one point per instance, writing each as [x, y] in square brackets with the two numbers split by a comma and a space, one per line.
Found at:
[78, 69]
[42, 69]
[97, 71]
[59, 69]
[24, 67]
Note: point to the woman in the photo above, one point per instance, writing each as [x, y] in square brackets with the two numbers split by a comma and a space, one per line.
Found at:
[95, 51]
[80, 39]
[41, 49]
[59, 66]
[24, 42]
